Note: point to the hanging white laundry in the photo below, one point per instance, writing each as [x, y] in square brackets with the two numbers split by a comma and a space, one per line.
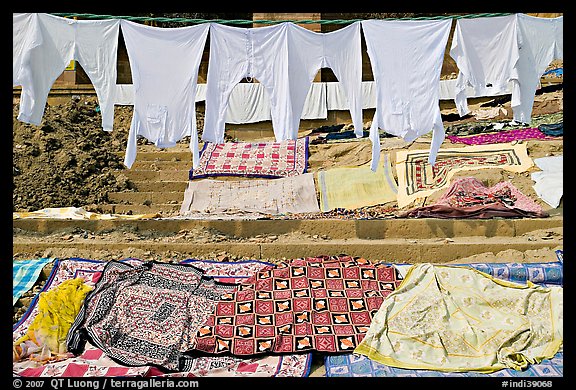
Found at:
[24, 37]
[549, 184]
[486, 51]
[406, 58]
[542, 41]
[248, 103]
[200, 92]
[284, 58]
[339, 50]
[93, 43]
[164, 63]
[237, 53]
[315, 103]
[125, 94]
[336, 97]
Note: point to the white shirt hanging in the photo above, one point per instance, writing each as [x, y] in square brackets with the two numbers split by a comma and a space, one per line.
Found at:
[406, 58]
[164, 63]
[57, 41]
[542, 42]
[486, 51]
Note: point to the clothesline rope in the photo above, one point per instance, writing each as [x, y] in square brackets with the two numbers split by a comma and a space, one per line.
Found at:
[264, 21]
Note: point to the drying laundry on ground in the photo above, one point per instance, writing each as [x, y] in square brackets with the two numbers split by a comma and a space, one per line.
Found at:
[45, 338]
[321, 306]
[25, 274]
[503, 136]
[253, 159]
[543, 274]
[417, 179]
[354, 187]
[552, 129]
[250, 198]
[549, 181]
[94, 362]
[453, 318]
[468, 198]
[76, 213]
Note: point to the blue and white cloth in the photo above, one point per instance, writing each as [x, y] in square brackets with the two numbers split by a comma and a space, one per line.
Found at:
[353, 365]
[24, 274]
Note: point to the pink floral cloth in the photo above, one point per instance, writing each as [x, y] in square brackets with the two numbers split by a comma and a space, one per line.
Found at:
[93, 362]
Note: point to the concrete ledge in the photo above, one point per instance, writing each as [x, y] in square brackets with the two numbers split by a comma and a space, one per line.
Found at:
[333, 228]
[140, 208]
[147, 186]
[394, 251]
[150, 175]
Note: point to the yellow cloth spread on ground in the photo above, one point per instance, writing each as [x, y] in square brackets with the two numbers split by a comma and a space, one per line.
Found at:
[354, 187]
[76, 213]
[453, 318]
[57, 310]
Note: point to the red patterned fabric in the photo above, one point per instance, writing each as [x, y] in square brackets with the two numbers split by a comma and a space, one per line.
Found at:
[94, 362]
[324, 304]
[262, 159]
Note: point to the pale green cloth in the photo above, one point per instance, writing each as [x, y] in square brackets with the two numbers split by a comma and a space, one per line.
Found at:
[354, 187]
[454, 318]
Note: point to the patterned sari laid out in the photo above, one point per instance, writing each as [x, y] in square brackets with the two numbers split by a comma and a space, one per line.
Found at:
[321, 304]
[146, 314]
[94, 362]
[454, 318]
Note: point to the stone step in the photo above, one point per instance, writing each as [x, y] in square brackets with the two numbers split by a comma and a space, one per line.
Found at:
[161, 165]
[389, 250]
[140, 198]
[168, 186]
[158, 208]
[176, 154]
[152, 175]
[394, 228]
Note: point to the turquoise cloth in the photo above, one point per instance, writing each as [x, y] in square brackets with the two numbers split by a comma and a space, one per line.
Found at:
[24, 274]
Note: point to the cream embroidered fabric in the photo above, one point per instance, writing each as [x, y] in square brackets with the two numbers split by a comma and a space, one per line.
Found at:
[454, 318]
[242, 198]
[418, 179]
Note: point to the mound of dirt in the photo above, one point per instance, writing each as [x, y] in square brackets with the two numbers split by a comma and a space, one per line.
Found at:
[68, 160]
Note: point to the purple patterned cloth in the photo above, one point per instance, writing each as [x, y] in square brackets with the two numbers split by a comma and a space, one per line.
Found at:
[501, 137]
